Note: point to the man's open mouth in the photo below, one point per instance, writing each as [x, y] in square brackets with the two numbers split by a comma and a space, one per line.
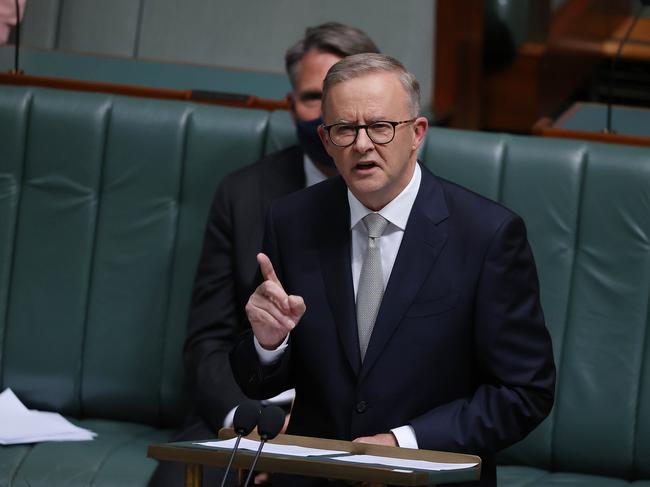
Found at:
[365, 165]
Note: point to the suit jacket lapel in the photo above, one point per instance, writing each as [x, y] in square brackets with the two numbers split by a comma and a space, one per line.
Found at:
[421, 244]
[335, 255]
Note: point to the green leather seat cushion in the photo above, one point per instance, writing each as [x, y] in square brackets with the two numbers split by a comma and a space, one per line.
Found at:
[116, 457]
[517, 476]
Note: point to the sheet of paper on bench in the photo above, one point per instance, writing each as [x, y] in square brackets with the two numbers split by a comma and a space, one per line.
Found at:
[21, 425]
[290, 450]
[404, 463]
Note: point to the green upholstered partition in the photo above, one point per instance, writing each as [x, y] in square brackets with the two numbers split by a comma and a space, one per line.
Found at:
[587, 210]
[147, 73]
[592, 117]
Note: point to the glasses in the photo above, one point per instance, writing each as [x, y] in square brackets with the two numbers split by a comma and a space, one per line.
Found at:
[380, 132]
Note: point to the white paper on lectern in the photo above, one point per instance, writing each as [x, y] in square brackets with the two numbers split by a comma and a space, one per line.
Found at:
[290, 450]
[403, 463]
[21, 425]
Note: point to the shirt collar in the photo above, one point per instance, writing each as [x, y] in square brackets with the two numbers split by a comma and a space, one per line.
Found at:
[312, 173]
[397, 211]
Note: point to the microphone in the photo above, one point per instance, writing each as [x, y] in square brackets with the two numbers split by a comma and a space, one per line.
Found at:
[245, 419]
[270, 424]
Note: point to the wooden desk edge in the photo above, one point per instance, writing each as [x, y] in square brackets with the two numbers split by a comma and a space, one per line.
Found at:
[339, 470]
[311, 466]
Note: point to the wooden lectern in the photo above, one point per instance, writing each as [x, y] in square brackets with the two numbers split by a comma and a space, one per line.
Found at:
[196, 456]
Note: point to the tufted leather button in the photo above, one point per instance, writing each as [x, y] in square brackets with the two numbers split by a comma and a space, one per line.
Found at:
[361, 406]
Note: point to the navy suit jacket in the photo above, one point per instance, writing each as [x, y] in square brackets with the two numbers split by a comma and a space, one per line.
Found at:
[459, 350]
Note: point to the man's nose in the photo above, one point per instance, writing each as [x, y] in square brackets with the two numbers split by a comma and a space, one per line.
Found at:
[363, 142]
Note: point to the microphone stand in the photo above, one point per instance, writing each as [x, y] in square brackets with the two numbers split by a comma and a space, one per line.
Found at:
[232, 457]
[17, 43]
[637, 16]
[269, 425]
[257, 456]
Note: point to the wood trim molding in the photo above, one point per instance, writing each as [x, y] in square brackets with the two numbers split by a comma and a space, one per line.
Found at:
[544, 127]
[198, 96]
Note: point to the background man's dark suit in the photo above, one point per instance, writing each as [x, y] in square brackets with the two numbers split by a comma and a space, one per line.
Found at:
[225, 278]
[459, 350]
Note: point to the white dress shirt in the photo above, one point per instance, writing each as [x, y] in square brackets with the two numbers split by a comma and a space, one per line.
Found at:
[397, 213]
[312, 173]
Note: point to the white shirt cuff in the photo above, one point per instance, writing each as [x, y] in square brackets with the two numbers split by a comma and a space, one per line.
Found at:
[405, 436]
[281, 399]
[267, 357]
[227, 422]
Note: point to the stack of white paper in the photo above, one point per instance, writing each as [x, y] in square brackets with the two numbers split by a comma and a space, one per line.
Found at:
[398, 464]
[253, 445]
[404, 463]
[21, 425]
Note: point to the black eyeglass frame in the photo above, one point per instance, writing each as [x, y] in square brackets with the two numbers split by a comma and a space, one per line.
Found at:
[327, 128]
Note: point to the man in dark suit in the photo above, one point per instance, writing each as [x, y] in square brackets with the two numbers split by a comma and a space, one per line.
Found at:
[225, 276]
[403, 308]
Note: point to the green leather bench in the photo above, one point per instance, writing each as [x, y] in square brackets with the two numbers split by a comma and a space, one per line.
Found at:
[103, 201]
[102, 205]
[587, 210]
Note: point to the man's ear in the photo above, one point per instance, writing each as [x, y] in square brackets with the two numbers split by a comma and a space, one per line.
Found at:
[420, 126]
[324, 139]
[292, 104]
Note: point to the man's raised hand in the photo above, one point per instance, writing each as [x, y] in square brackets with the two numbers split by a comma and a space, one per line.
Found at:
[271, 312]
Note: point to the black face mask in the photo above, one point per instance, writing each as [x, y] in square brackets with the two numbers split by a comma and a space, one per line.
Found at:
[307, 132]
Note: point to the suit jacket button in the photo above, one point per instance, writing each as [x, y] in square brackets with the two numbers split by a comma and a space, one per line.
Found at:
[361, 406]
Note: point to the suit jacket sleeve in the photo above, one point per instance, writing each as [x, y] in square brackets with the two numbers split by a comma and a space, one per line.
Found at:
[256, 380]
[214, 319]
[514, 357]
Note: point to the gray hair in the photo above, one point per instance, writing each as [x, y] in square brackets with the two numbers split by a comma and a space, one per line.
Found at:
[330, 37]
[369, 63]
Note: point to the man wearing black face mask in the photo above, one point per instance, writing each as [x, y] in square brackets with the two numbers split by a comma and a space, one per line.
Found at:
[307, 63]
[226, 272]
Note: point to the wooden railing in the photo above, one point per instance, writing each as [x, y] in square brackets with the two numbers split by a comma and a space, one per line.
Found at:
[200, 96]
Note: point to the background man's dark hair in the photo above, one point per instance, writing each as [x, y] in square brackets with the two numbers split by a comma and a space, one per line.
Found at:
[331, 37]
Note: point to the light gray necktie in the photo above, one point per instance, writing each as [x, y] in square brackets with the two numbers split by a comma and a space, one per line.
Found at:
[371, 281]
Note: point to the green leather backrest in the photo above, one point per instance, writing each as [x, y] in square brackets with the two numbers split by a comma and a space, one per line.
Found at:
[587, 210]
[103, 201]
[281, 132]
